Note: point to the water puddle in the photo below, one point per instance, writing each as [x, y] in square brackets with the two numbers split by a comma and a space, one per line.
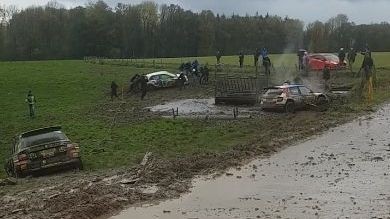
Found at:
[205, 107]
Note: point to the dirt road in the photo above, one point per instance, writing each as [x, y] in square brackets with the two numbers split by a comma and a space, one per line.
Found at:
[344, 173]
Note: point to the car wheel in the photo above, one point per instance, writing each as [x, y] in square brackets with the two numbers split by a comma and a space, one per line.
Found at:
[19, 174]
[322, 103]
[151, 87]
[80, 165]
[289, 107]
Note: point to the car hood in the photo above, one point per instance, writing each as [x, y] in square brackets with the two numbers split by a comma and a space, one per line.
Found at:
[159, 73]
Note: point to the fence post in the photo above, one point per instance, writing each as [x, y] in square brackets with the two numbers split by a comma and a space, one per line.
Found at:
[175, 113]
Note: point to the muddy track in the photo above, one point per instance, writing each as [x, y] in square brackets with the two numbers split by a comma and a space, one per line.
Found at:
[343, 173]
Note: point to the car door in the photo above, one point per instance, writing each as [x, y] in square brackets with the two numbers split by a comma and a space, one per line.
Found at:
[296, 96]
[307, 95]
[154, 80]
[317, 62]
[167, 80]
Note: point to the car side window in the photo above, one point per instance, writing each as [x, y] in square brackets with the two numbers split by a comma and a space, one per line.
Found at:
[305, 91]
[165, 77]
[318, 57]
[294, 91]
[155, 78]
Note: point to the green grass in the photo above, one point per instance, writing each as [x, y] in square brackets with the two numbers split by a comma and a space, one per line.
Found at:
[290, 60]
[70, 93]
[73, 94]
[66, 92]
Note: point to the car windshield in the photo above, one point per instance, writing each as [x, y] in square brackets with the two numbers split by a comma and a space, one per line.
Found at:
[42, 138]
[274, 91]
[331, 57]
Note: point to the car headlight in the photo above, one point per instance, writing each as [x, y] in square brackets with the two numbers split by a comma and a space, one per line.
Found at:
[32, 156]
[62, 149]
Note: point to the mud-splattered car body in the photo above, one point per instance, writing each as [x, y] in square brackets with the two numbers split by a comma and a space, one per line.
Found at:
[291, 97]
[318, 61]
[41, 150]
[163, 79]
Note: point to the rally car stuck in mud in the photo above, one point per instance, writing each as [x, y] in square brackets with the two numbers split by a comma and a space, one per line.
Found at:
[163, 79]
[41, 150]
[290, 98]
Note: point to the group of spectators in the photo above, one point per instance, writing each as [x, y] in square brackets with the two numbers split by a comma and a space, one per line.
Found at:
[263, 54]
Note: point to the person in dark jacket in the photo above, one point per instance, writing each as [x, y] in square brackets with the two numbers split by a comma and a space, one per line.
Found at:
[351, 56]
[267, 65]
[301, 54]
[204, 78]
[241, 59]
[256, 57]
[181, 81]
[114, 90]
[368, 79]
[218, 56]
[30, 100]
[144, 86]
[134, 84]
[341, 56]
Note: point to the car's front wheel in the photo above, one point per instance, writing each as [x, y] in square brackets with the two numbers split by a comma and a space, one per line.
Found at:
[80, 165]
[151, 87]
[322, 103]
[19, 174]
[289, 107]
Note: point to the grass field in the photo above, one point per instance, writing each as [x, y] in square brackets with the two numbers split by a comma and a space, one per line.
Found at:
[288, 60]
[74, 94]
[70, 93]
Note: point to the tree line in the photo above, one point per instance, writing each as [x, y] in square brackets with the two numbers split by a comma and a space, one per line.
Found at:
[149, 30]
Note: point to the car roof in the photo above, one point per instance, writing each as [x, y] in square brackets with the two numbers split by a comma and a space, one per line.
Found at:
[40, 131]
[160, 73]
[322, 54]
[286, 86]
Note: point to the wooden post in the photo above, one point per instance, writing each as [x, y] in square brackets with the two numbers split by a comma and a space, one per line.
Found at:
[174, 114]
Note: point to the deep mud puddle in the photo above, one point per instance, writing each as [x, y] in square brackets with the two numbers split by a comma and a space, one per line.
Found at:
[202, 107]
[344, 173]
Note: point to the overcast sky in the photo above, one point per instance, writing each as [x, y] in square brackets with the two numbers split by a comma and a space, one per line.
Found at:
[359, 11]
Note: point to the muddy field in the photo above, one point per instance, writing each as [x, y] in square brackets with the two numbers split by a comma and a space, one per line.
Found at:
[89, 195]
[101, 193]
[343, 173]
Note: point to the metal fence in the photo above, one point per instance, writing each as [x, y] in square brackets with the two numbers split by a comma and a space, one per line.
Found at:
[238, 89]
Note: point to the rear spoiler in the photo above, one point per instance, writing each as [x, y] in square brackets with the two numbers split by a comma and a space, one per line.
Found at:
[41, 131]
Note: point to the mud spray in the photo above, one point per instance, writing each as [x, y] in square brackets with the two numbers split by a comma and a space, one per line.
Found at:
[285, 70]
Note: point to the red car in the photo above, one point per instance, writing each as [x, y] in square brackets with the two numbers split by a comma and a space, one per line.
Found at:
[318, 61]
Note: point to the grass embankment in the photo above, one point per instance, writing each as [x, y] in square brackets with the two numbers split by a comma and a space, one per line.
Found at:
[73, 93]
